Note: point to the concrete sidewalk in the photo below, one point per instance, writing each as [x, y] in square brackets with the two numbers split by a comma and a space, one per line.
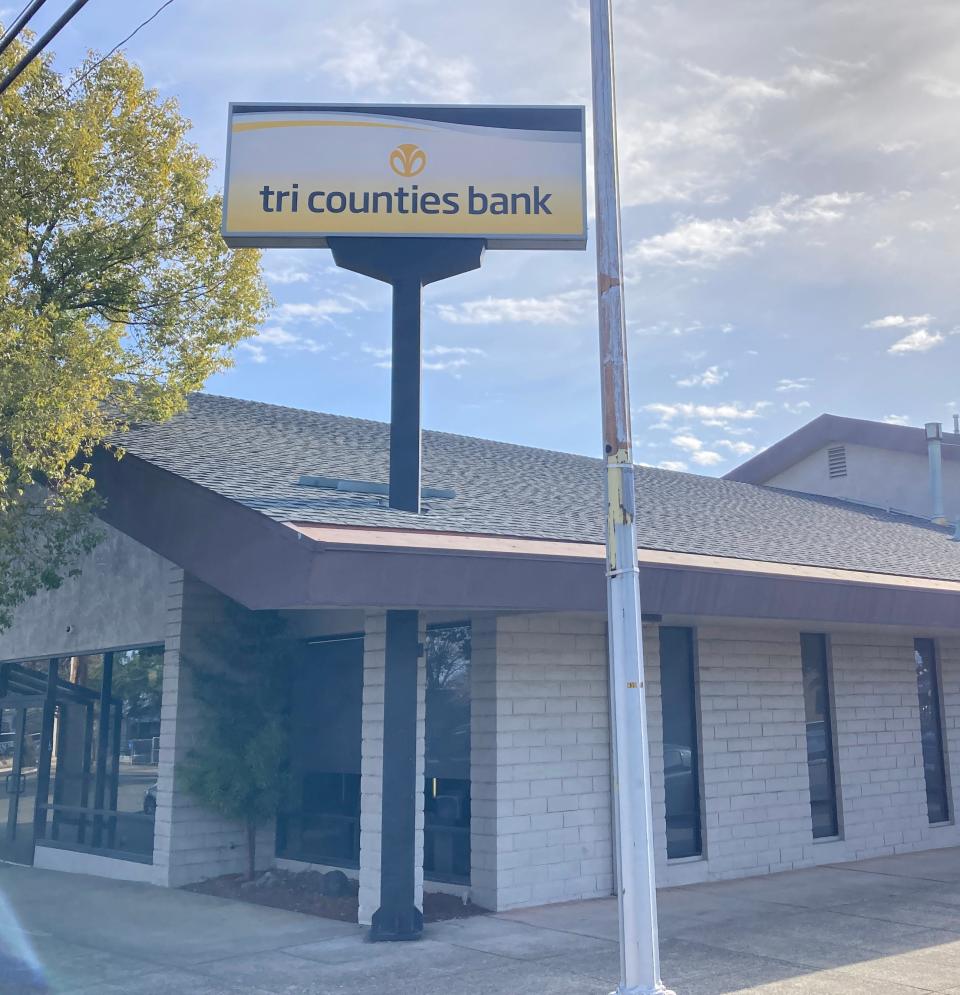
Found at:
[881, 927]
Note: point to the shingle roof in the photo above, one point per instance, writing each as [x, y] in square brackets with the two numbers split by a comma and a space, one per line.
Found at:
[255, 453]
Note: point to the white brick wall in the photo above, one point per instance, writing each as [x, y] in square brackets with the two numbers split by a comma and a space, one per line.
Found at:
[191, 843]
[371, 766]
[878, 750]
[756, 792]
[542, 818]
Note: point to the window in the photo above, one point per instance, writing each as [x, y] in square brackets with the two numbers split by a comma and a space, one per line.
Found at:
[105, 754]
[446, 804]
[681, 760]
[820, 763]
[320, 822]
[931, 731]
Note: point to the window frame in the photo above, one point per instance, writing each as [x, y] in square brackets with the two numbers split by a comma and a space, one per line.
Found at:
[940, 713]
[830, 724]
[696, 714]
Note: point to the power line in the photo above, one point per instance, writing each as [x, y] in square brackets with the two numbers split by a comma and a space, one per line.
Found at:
[41, 43]
[119, 44]
[29, 9]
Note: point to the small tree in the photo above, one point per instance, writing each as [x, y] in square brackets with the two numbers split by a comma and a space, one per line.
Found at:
[118, 295]
[241, 678]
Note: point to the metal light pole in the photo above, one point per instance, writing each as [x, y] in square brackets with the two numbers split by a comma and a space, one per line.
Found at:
[633, 829]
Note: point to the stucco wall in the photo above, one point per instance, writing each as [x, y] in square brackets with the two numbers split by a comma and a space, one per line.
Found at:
[118, 600]
[875, 476]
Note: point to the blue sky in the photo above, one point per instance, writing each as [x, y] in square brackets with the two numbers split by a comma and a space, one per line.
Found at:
[791, 187]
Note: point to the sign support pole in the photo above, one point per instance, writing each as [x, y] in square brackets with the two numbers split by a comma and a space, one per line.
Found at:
[407, 264]
[633, 829]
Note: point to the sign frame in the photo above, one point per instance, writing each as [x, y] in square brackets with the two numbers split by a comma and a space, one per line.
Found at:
[271, 240]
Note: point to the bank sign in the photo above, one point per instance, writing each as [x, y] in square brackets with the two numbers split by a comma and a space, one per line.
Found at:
[296, 174]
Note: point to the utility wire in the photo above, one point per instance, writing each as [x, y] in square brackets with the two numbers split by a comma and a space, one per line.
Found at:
[41, 43]
[29, 9]
[119, 44]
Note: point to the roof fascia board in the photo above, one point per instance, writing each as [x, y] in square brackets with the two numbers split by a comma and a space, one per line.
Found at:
[262, 563]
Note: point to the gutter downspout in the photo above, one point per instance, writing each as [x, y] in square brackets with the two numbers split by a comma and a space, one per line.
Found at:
[934, 432]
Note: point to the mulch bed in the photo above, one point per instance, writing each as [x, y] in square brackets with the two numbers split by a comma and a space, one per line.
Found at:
[331, 895]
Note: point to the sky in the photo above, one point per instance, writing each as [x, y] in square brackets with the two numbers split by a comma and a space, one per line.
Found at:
[790, 174]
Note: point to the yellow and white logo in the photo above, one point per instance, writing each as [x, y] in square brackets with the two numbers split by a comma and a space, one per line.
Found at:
[513, 176]
[408, 160]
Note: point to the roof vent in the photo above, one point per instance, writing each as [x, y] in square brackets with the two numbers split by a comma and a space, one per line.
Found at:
[837, 461]
[365, 487]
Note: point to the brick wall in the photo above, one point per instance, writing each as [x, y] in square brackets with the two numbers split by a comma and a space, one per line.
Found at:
[756, 792]
[878, 750]
[542, 817]
[191, 843]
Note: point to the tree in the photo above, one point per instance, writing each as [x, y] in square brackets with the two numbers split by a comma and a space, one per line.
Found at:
[118, 295]
[241, 677]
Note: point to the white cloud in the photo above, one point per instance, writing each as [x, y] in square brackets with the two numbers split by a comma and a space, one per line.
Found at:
[940, 87]
[560, 309]
[706, 457]
[710, 377]
[706, 243]
[689, 442]
[896, 419]
[900, 321]
[383, 59]
[798, 408]
[708, 413]
[319, 311]
[447, 357]
[737, 448]
[286, 275]
[919, 341]
[678, 466]
[800, 383]
[275, 337]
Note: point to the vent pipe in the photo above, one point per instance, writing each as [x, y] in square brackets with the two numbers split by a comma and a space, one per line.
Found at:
[934, 432]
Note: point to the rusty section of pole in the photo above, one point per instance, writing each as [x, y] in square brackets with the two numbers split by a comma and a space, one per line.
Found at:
[633, 817]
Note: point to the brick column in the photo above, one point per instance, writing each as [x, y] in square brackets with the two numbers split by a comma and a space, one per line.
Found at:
[484, 843]
[753, 725]
[542, 814]
[190, 842]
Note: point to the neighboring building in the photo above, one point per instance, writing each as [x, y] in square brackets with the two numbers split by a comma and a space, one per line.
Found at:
[865, 461]
[802, 662]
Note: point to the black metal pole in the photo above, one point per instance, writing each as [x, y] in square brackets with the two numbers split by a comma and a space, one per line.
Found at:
[85, 771]
[407, 264]
[46, 751]
[398, 917]
[103, 744]
[115, 769]
[19, 23]
[405, 396]
[15, 775]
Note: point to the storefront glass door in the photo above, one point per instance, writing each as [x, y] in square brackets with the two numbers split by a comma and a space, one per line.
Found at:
[21, 723]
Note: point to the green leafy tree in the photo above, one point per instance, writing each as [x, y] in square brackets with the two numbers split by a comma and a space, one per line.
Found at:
[118, 295]
[241, 676]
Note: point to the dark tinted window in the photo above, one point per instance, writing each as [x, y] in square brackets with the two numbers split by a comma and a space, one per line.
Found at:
[931, 732]
[816, 699]
[321, 821]
[680, 753]
[446, 835]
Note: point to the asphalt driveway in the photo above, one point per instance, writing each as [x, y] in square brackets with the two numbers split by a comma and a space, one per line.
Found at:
[881, 927]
